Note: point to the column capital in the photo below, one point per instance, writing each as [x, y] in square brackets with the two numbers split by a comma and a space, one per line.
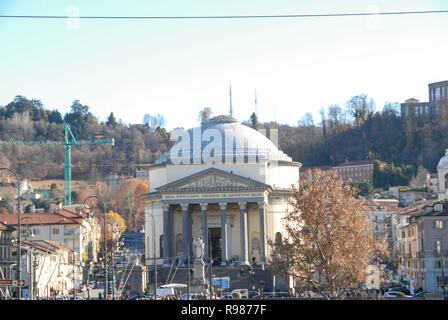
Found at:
[262, 203]
[165, 206]
[203, 206]
[184, 206]
[223, 205]
[242, 205]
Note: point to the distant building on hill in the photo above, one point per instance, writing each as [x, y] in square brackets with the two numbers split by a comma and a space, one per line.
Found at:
[438, 97]
[356, 171]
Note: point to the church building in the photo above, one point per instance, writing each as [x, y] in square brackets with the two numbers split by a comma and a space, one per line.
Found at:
[223, 182]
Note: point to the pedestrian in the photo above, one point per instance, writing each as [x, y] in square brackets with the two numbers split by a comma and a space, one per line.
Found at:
[253, 260]
[100, 297]
[241, 272]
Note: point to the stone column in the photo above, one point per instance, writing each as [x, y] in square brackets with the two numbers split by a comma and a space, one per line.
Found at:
[166, 235]
[224, 253]
[205, 230]
[261, 206]
[243, 229]
[185, 230]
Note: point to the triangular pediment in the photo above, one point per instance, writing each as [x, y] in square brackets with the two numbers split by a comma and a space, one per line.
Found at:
[210, 179]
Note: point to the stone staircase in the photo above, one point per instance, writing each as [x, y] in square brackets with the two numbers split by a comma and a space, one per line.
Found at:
[238, 279]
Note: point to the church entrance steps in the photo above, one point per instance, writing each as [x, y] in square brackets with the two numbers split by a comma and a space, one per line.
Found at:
[238, 279]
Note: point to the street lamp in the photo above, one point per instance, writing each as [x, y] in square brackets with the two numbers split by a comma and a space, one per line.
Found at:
[19, 253]
[154, 254]
[105, 242]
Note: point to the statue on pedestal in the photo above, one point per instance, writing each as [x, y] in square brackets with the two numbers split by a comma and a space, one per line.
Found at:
[198, 248]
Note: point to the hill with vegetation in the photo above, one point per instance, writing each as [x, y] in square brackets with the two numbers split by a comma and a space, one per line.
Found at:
[354, 131]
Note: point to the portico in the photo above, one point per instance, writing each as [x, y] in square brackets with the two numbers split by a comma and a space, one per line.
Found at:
[214, 199]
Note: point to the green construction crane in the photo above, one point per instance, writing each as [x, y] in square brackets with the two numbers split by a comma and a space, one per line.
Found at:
[68, 143]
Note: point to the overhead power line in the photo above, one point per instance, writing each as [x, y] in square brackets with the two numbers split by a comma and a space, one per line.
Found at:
[280, 16]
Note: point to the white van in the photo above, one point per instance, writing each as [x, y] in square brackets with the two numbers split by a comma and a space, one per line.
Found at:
[168, 289]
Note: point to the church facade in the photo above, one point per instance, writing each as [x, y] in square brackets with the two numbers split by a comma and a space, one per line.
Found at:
[224, 183]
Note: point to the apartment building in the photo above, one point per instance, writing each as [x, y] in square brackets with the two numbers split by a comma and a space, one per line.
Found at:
[79, 231]
[422, 245]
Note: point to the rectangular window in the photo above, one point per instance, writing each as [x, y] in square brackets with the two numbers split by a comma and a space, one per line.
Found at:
[69, 231]
[55, 230]
[438, 224]
[438, 246]
[437, 94]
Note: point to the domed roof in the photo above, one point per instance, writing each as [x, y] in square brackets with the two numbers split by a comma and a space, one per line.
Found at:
[443, 162]
[225, 137]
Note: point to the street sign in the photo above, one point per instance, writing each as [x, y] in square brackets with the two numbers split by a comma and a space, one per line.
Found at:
[12, 283]
[223, 282]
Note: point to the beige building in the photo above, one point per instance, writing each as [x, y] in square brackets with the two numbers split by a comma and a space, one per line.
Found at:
[224, 182]
[79, 231]
[421, 244]
[48, 269]
[6, 258]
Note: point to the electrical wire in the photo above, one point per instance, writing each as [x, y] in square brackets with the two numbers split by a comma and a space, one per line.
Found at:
[319, 15]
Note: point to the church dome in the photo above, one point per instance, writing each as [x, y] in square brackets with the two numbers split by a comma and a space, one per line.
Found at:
[233, 139]
[443, 162]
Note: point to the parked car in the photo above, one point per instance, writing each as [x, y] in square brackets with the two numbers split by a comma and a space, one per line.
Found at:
[264, 295]
[253, 294]
[138, 297]
[390, 294]
[420, 294]
[193, 296]
[401, 289]
[244, 293]
[281, 295]
[227, 295]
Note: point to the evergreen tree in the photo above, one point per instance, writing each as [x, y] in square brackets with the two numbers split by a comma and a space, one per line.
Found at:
[111, 121]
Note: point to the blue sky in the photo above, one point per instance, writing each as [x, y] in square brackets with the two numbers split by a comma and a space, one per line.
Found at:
[178, 67]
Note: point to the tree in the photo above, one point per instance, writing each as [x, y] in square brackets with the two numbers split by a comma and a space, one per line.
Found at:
[129, 204]
[364, 189]
[419, 180]
[328, 242]
[111, 121]
[154, 122]
[254, 120]
[361, 108]
[6, 203]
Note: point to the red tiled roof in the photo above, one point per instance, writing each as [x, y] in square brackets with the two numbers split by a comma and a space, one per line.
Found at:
[374, 205]
[40, 218]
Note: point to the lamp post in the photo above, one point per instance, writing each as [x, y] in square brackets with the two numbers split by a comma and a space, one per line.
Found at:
[154, 254]
[19, 252]
[211, 264]
[105, 242]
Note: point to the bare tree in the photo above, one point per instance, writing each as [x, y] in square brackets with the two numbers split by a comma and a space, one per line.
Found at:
[328, 242]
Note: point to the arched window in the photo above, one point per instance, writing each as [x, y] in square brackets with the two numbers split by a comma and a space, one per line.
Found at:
[161, 246]
[278, 238]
